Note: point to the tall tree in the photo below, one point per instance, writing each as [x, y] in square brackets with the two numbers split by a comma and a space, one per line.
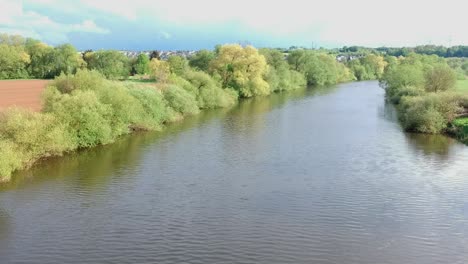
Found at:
[242, 69]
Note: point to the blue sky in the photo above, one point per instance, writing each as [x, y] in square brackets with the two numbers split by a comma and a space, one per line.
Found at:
[177, 24]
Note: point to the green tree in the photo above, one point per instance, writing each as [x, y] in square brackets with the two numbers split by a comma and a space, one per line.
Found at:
[13, 62]
[42, 60]
[201, 60]
[280, 77]
[142, 64]
[177, 64]
[440, 78]
[111, 63]
[66, 59]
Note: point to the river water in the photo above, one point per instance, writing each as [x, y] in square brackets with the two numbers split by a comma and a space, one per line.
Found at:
[312, 176]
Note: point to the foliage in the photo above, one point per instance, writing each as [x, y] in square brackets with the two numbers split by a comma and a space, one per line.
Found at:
[177, 64]
[180, 100]
[241, 69]
[13, 62]
[42, 60]
[459, 128]
[111, 63]
[207, 91]
[142, 64]
[87, 119]
[369, 67]
[440, 78]
[82, 80]
[319, 68]
[160, 70]
[280, 77]
[430, 113]
[201, 60]
[66, 59]
[11, 159]
[154, 105]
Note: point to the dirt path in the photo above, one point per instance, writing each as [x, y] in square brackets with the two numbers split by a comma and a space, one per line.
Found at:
[22, 93]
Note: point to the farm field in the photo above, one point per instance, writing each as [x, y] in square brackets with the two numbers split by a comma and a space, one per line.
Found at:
[21, 93]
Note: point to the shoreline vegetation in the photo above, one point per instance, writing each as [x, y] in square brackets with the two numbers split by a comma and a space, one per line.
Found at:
[428, 97]
[98, 96]
[87, 105]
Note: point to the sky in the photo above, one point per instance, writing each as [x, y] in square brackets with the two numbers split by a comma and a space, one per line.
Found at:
[177, 24]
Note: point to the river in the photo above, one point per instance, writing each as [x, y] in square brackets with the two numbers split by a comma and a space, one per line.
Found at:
[312, 176]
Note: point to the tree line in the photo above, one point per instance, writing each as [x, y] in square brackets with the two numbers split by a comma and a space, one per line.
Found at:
[441, 51]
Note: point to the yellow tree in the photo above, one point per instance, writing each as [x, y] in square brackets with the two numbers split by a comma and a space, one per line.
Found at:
[242, 69]
[377, 64]
[160, 70]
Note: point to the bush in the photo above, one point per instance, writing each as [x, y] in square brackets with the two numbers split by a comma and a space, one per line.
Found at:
[126, 110]
[180, 100]
[87, 119]
[82, 80]
[440, 78]
[430, 113]
[207, 91]
[459, 128]
[27, 136]
[397, 93]
[156, 108]
[11, 159]
[37, 135]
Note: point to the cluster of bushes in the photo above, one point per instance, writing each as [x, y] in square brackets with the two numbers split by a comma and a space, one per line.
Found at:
[421, 87]
[83, 108]
[318, 67]
[369, 67]
[459, 128]
[86, 110]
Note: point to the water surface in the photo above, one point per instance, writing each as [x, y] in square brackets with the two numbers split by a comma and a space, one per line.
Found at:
[313, 176]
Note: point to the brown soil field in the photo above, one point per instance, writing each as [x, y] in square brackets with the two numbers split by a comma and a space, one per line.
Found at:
[22, 93]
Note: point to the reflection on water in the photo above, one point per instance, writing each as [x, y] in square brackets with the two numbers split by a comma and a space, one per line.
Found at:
[432, 144]
[321, 175]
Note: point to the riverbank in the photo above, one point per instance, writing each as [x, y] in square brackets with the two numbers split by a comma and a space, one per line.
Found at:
[323, 163]
[427, 95]
[85, 109]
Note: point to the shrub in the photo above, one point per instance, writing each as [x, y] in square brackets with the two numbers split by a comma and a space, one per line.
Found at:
[10, 159]
[155, 106]
[398, 93]
[37, 135]
[429, 113]
[87, 119]
[180, 100]
[126, 110]
[459, 128]
[208, 92]
[440, 78]
[82, 80]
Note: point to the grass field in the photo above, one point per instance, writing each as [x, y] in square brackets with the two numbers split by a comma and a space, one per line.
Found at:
[462, 85]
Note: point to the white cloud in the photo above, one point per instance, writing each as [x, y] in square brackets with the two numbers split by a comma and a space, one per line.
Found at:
[14, 20]
[366, 22]
[335, 22]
